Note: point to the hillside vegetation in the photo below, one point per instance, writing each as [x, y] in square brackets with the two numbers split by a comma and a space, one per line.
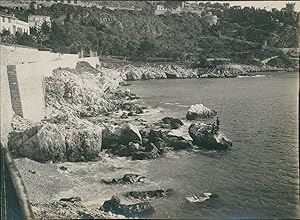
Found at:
[239, 35]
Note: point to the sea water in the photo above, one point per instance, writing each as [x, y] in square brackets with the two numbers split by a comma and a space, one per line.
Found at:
[258, 178]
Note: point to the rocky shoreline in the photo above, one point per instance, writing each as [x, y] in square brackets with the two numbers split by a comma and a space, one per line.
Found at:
[87, 115]
[133, 72]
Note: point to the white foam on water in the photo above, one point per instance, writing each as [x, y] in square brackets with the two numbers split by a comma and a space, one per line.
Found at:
[259, 75]
[182, 131]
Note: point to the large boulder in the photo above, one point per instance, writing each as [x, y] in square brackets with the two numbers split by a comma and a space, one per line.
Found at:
[110, 137]
[204, 136]
[83, 144]
[132, 210]
[199, 111]
[130, 133]
[42, 143]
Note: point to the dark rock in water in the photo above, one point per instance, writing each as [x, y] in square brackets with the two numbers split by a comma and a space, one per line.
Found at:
[125, 150]
[133, 210]
[130, 114]
[181, 145]
[149, 194]
[32, 171]
[124, 115]
[173, 123]
[159, 138]
[204, 136]
[123, 83]
[130, 133]
[63, 168]
[132, 107]
[71, 199]
[126, 179]
[141, 155]
[139, 110]
[133, 178]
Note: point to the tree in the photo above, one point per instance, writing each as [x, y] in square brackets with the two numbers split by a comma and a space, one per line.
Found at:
[132, 48]
[7, 37]
[25, 39]
[147, 46]
[290, 7]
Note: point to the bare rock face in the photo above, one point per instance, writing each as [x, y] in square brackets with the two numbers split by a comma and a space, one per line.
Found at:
[42, 142]
[130, 133]
[83, 144]
[203, 136]
[199, 111]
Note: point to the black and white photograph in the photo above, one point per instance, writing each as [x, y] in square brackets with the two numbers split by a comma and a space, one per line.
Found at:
[149, 109]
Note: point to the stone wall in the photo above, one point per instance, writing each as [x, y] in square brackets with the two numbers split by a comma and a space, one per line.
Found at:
[5, 106]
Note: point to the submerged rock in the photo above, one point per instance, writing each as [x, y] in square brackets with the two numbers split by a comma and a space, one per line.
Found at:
[199, 111]
[123, 83]
[133, 210]
[149, 194]
[71, 199]
[204, 136]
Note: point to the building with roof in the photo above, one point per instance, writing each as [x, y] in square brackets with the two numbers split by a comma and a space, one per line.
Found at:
[12, 24]
[38, 20]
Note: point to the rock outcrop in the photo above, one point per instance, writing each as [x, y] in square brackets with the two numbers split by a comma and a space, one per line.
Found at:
[199, 111]
[61, 140]
[133, 210]
[41, 142]
[205, 137]
[69, 208]
[83, 144]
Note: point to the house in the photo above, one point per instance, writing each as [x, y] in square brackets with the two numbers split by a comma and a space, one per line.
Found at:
[210, 19]
[161, 9]
[190, 7]
[12, 24]
[38, 20]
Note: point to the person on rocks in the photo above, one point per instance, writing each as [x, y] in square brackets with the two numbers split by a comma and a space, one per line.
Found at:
[213, 128]
[218, 124]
